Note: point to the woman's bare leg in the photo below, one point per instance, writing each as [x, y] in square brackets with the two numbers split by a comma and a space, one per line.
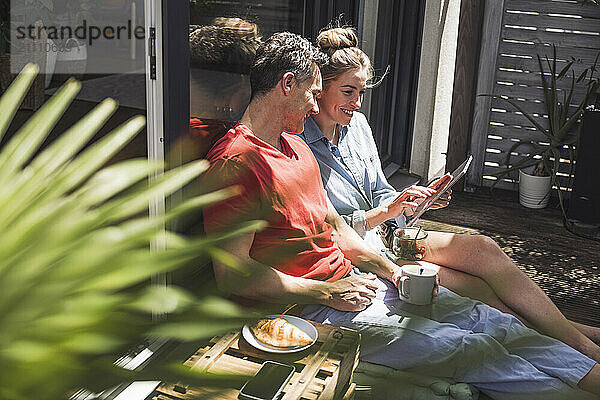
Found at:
[590, 331]
[480, 256]
[475, 288]
[591, 382]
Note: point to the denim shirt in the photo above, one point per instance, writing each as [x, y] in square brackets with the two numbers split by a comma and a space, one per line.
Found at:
[351, 171]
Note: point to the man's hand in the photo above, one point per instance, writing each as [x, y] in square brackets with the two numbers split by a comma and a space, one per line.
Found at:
[398, 274]
[409, 199]
[353, 293]
[446, 197]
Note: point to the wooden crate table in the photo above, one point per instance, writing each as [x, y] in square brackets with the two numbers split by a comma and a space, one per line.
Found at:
[323, 371]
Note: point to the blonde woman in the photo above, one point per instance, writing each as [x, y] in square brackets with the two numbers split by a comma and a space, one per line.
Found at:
[471, 265]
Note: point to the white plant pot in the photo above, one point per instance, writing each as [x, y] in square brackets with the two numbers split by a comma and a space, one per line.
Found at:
[51, 55]
[72, 60]
[534, 190]
[77, 51]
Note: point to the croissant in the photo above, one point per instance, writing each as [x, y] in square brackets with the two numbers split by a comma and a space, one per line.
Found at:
[280, 333]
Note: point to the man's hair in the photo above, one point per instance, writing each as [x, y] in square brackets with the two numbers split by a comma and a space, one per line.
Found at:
[228, 45]
[283, 52]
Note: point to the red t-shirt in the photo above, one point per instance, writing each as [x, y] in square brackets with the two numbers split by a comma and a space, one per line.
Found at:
[283, 188]
[204, 134]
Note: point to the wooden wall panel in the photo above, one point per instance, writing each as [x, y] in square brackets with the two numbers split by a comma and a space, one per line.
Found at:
[528, 28]
[463, 96]
[492, 26]
[559, 38]
[526, 92]
[529, 48]
[569, 7]
[542, 23]
[529, 106]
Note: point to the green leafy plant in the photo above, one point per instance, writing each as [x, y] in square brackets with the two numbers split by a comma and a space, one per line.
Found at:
[559, 129]
[75, 260]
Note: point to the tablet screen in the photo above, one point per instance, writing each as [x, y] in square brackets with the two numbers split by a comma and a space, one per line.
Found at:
[456, 175]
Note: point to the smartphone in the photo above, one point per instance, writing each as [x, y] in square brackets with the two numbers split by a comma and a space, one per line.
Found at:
[268, 382]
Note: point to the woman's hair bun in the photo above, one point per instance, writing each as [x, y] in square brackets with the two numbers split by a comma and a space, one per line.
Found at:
[332, 39]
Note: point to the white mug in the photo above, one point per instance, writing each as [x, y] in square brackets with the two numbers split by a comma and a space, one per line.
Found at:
[416, 284]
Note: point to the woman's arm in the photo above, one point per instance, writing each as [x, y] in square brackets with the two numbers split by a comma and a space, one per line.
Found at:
[403, 204]
[356, 249]
[387, 202]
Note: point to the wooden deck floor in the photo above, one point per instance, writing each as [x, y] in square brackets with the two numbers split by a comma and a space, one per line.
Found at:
[566, 266]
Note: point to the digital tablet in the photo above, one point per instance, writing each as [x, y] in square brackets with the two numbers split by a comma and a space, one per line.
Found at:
[456, 175]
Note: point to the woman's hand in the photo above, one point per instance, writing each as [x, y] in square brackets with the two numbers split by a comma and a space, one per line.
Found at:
[409, 199]
[353, 293]
[446, 197]
[397, 274]
[443, 201]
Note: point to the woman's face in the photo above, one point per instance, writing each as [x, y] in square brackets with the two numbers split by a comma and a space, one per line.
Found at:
[343, 95]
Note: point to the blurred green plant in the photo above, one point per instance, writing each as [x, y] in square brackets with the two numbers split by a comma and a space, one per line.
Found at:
[559, 130]
[75, 261]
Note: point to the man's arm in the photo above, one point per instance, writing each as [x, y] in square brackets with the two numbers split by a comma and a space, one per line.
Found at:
[265, 283]
[361, 255]
[356, 249]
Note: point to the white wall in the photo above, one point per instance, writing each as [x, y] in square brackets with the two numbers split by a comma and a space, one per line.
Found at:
[369, 38]
[434, 91]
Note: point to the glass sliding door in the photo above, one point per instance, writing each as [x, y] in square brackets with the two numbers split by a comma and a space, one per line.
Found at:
[223, 38]
[397, 44]
[100, 42]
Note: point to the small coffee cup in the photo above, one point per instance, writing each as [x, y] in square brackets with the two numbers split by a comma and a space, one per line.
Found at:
[416, 284]
[409, 243]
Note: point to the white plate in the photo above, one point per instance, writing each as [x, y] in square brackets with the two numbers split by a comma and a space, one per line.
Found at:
[300, 323]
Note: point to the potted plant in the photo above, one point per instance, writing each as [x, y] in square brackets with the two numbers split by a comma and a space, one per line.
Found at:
[539, 168]
[73, 60]
[75, 262]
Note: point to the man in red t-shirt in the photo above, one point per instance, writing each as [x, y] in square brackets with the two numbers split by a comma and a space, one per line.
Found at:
[306, 253]
[306, 249]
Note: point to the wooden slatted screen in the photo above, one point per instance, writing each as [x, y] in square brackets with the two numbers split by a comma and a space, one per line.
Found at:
[521, 29]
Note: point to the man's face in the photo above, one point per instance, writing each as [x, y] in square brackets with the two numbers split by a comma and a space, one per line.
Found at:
[303, 102]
